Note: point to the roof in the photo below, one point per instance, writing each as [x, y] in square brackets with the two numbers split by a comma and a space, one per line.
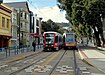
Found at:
[5, 7]
[18, 5]
[64, 34]
[52, 32]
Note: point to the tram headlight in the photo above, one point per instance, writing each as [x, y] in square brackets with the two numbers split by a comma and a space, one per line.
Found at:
[67, 44]
[52, 45]
[46, 45]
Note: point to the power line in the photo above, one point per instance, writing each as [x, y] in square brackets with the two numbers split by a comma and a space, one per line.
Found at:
[31, 3]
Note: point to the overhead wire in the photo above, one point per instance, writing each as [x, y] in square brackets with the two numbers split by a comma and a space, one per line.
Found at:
[31, 3]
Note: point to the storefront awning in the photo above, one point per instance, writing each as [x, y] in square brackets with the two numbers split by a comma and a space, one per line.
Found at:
[35, 34]
[6, 36]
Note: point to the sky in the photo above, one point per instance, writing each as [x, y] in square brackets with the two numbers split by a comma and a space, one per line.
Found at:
[47, 9]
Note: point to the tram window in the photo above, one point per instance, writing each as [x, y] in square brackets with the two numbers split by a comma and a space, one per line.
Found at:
[63, 38]
[49, 40]
[60, 39]
[56, 39]
[49, 35]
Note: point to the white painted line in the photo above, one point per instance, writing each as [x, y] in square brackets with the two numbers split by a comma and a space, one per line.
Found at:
[14, 68]
[58, 70]
[48, 66]
[42, 71]
[69, 67]
[28, 69]
[83, 68]
[63, 71]
[64, 66]
[85, 72]
[38, 69]
[46, 69]
[69, 70]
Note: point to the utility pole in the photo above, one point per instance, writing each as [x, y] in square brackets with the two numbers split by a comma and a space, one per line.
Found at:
[19, 25]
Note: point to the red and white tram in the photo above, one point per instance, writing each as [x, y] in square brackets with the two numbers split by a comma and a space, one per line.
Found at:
[52, 41]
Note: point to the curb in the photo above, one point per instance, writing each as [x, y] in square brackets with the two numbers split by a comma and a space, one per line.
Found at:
[20, 58]
[100, 49]
[85, 61]
[82, 56]
[92, 65]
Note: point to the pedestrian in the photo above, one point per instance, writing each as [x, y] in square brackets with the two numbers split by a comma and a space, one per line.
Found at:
[34, 45]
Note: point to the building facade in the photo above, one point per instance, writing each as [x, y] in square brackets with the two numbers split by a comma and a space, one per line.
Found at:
[36, 29]
[14, 28]
[5, 25]
[22, 21]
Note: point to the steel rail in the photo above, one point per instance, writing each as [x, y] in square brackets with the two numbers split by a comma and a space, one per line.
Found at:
[57, 63]
[16, 72]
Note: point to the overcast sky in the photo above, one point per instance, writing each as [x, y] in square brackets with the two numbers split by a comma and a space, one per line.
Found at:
[47, 9]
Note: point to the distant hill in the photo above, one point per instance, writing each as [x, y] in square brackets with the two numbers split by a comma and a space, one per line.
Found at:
[64, 24]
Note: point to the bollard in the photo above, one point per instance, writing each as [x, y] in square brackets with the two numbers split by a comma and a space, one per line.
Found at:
[6, 51]
[15, 50]
[77, 71]
[18, 49]
[9, 50]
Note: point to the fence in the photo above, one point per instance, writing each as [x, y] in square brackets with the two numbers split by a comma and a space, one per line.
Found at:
[9, 51]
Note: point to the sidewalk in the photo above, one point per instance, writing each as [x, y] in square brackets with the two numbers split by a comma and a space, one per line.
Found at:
[93, 57]
[18, 56]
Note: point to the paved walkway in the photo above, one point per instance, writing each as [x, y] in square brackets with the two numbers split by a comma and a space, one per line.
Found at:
[93, 57]
[18, 56]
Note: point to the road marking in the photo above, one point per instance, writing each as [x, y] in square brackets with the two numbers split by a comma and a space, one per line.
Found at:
[14, 68]
[85, 72]
[51, 58]
[83, 68]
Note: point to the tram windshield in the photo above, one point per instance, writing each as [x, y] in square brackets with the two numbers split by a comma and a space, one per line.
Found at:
[49, 38]
[69, 38]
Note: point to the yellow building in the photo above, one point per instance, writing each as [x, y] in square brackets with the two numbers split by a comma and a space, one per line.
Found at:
[5, 25]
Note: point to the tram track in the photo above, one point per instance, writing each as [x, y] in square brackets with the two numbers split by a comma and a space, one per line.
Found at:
[7, 67]
[65, 67]
[45, 63]
[48, 57]
[48, 66]
[14, 73]
[50, 73]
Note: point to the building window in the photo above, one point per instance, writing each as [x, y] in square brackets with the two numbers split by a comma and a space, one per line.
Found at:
[14, 18]
[21, 14]
[21, 25]
[3, 22]
[37, 23]
[37, 30]
[25, 16]
[7, 23]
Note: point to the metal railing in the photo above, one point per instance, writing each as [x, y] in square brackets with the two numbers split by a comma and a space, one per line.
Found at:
[9, 51]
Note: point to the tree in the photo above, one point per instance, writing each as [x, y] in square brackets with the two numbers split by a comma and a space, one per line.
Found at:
[49, 26]
[85, 16]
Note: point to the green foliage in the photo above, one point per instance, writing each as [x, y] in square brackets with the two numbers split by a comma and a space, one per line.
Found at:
[83, 14]
[50, 26]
